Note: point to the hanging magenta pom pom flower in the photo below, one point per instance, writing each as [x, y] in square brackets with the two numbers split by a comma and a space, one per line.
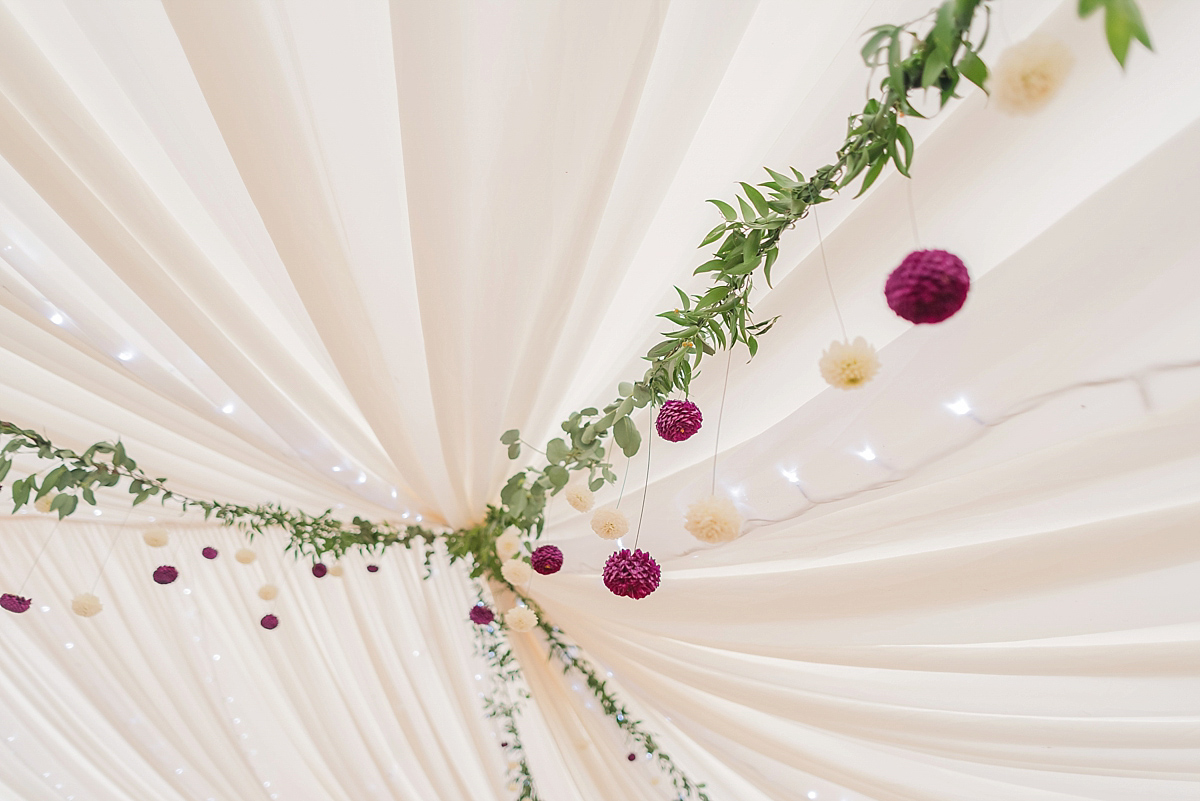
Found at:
[15, 603]
[634, 575]
[678, 420]
[480, 615]
[209, 553]
[547, 560]
[165, 574]
[929, 286]
[269, 622]
[319, 569]
[372, 568]
[632, 757]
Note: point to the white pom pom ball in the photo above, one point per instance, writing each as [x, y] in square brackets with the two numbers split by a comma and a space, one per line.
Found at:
[1029, 74]
[520, 619]
[580, 497]
[268, 592]
[713, 519]
[155, 537]
[508, 544]
[245, 556]
[86, 605]
[336, 570]
[516, 572]
[42, 504]
[848, 365]
[610, 524]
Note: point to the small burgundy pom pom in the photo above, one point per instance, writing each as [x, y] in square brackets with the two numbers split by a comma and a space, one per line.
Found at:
[504, 744]
[481, 615]
[319, 569]
[632, 757]
[929, 286]
[634, 575]
[547, 560]
[15, 603]
[678, 419]
[372, 568]
[269, 622]
[209, 553]
[165, 574]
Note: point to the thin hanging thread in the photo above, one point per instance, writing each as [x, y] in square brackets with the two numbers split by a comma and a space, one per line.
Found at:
[720, 416]
[112, 547]
[626, 478]
[645, 490]
[37, 558]
[912, 214]
[828, 280]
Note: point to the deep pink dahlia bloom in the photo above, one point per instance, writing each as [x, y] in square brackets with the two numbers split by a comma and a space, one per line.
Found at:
[634, 575]
[480, 615]
[547, 560]
[678, 420]
[929, 286]
[165, 574]
[15, 603]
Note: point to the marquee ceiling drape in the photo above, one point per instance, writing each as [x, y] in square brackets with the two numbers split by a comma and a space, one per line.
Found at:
[325, 253]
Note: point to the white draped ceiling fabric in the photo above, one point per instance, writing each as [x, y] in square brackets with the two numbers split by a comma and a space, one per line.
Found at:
[324, 253]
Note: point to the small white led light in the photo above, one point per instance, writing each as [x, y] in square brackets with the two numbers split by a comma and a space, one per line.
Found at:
[57, 319]
[790, 475]
[125, 355]
[867, 453]
[362, 478]
[959, 407]
[337, 468]
[227, 408]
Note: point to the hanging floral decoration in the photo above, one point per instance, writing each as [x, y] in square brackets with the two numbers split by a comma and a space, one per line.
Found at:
[547, 560]
[372, 568]
[481, 615]
[633, 574]
[245, 556]
[15, 603]
[580, 497]
[45, 503]
[319, 570]
[849, 365]
[520, 619]
[165, 574]
[516, 572]
[1029, 74]
[86, 605]
[713, 519]
[336, 571]
[208, 552]
[610, 524]
[929, 286]
[508, 544]
[678, 420]
[269, 621]
[268, 592]
[155, 537]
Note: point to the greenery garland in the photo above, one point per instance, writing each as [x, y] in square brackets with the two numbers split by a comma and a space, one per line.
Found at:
[718, 318]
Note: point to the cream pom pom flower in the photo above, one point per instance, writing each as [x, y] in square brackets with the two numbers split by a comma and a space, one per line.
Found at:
[86, 605]
[42, 504]
[520, 619]
[610, 524]
[336, 571]
[508, 544]
[580, 497]
[516, 572]
[155, 537]
[847, 365]
[1029, 74]
[268, 592]
[713, 519]
[245, 556]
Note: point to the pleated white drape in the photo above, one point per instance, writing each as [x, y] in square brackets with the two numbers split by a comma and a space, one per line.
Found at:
[325, 254]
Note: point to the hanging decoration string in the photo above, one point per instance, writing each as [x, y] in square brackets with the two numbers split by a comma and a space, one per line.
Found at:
[645, 491]
[720, 416]
[912, 213]
[624, 480]
[111, 547]
[829, 281]
[38, 558]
